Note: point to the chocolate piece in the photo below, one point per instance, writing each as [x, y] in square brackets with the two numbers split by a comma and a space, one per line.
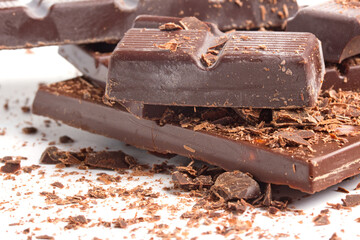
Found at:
[29, 130]
[321, 220]
[335, 23]
[11, 166]
[109, 160]
[57, 184]
[235, 186]
[327, 165]
[144, 69]
[184, 181]
[351, 200]
[345, 76]
[23, 24]
[66, 139]
[335, 237]
[52, 155]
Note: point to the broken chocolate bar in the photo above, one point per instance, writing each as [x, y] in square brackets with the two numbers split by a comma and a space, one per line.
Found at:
[87, 21]
[202, 68]
[345, 76]
[335, 23]
[324, 164]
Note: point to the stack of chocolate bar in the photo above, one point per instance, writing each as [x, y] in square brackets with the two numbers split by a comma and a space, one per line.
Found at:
[242, 100]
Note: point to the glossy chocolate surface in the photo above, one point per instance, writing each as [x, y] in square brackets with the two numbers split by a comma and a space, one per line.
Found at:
[55, 22]
[251, 69]
[80, 105]
[335, 23]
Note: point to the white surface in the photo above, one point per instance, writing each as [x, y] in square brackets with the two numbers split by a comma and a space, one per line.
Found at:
[20, 201]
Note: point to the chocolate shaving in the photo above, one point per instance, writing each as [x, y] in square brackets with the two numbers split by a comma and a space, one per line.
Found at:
[170, 27]
[29, 130]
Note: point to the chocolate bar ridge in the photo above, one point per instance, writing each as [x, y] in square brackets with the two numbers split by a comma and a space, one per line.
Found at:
[73, 106]
[336, 24]
[248, 70]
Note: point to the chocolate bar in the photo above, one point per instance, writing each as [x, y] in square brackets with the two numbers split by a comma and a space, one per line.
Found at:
[202, 68]
[335, 23]
[345, 76]
[311, 168]
[55, 22]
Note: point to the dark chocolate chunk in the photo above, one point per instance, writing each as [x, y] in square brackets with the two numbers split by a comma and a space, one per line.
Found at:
[309, 171]
[11, 166]
[321, 220]
[29, 130]
[235, 185]
[109, 160]
[351, 200]
[343, 76]
[328, 21]
[241, 75]
[66, 139]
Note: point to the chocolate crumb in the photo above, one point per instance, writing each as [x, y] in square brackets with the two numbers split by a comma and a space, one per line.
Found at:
[25, 109]
[29, 130]
[321, 220]
[66, 139]
[335, 237]
[57, 184]
[45, 237]
[170, 27]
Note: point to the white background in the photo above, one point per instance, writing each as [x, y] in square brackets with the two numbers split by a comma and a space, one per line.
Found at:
[20, 202]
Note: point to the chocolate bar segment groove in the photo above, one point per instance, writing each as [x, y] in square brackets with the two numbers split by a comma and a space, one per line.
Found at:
[174, 68]
[80, 105]
[335, 23]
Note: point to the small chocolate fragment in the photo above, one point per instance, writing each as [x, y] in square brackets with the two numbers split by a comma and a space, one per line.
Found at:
[25, 109]
[11, 166]
[293, 61]
[343, 190]
[328, 21]
[321, 220]
[108, 160]
[52, 155]
[335, 237]
[57, 184]
[236, 206]
[351, 200]
[184, 181]
[66, 139]
[235, 186]
[29, 130]
[47, 237]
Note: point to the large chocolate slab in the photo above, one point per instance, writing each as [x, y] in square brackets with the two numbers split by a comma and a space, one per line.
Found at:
[80, 105]
[335, 23]
[252, 69]
[54, 22]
